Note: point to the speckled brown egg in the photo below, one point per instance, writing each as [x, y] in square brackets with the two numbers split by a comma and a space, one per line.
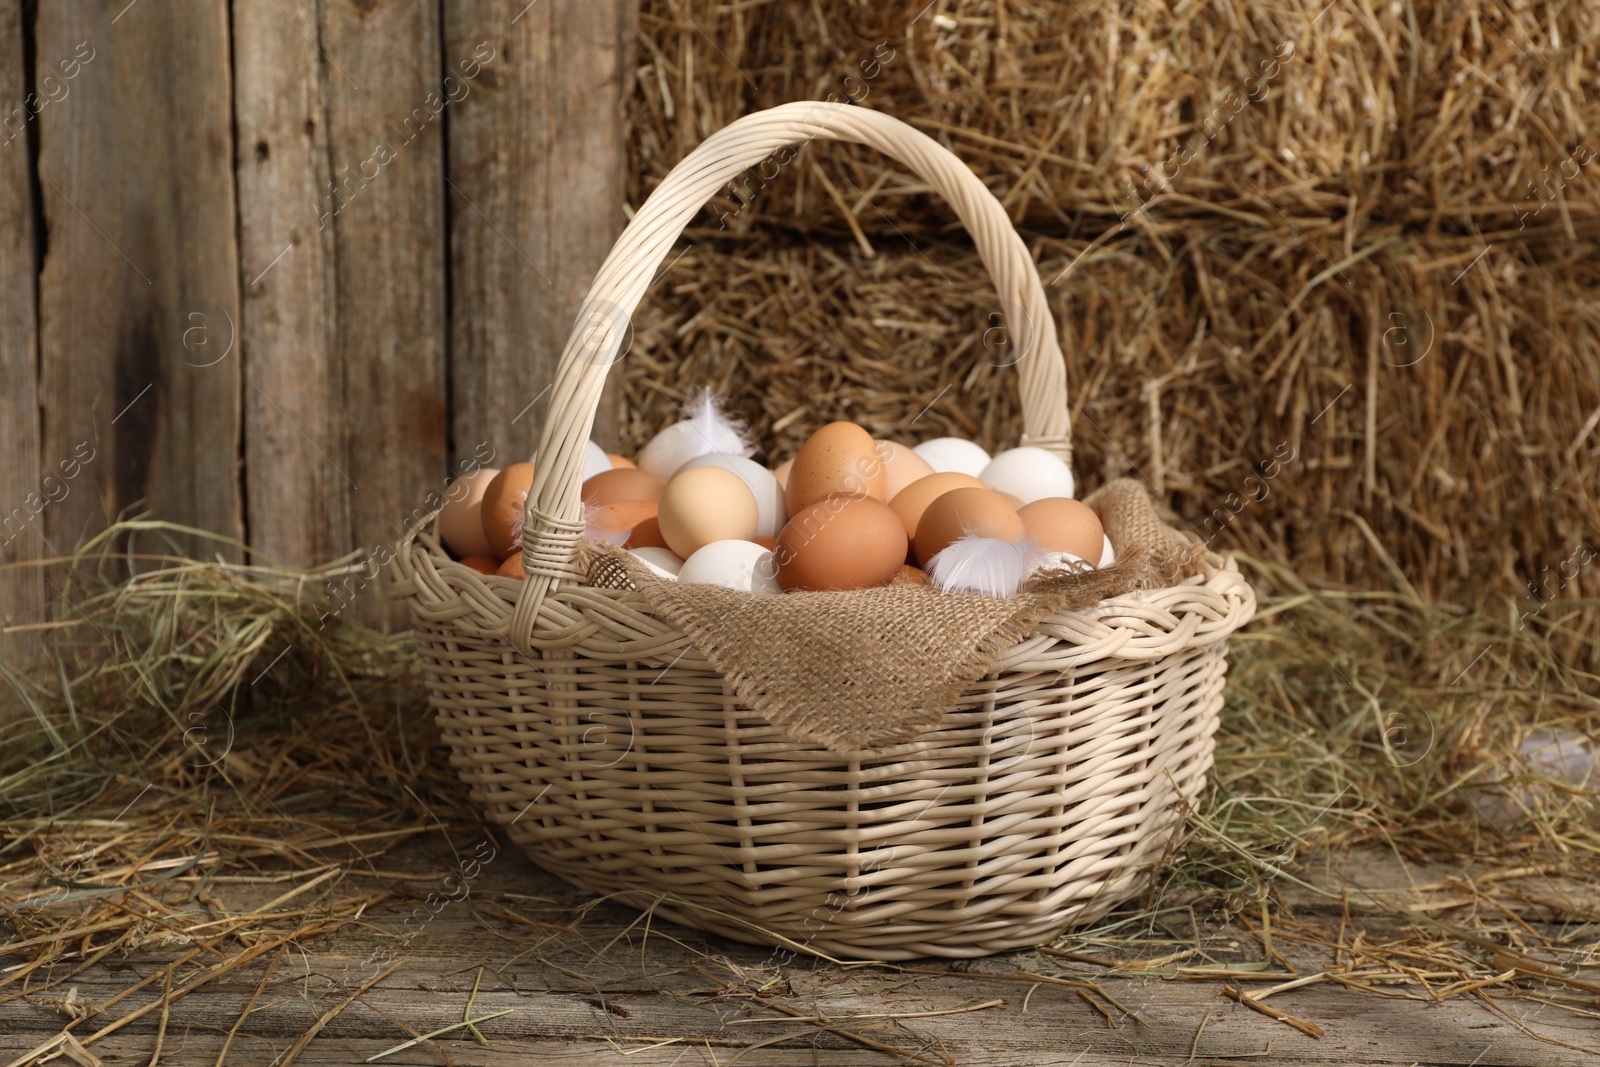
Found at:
[840, 459]
[965, 513]
[615, 522]
[914, 499]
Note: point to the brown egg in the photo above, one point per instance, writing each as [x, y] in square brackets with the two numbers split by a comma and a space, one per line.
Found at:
[511, 567]
[1010, 498]
[461, 516]
[622, 483]
[768, 543]
[840, 543]
[646, 534]
[901, 467]
[504, 499]
[620, 462]
[1060, 524]
[781, 472]
[963, 513]
[612, 520]
[706, 504]
[483, 564]
[912, 575]
[914, 499]
[841, 459]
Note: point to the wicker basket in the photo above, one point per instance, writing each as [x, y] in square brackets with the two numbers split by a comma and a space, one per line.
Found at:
[607, 747]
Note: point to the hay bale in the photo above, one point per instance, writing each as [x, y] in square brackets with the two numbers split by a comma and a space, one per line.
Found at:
[1444, 116]
[1336, 274]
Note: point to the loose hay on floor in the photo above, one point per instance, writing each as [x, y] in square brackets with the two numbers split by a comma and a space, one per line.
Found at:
[1353, 719]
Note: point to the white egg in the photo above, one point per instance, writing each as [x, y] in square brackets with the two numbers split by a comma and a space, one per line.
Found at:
[672, 448]
[1028, 474]
[742, 565]
[1108, 555]
[1062, 560]
[953, 454]
[763, 486]
[661, 561]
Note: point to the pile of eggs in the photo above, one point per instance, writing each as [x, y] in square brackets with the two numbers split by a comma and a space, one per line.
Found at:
[846, 512]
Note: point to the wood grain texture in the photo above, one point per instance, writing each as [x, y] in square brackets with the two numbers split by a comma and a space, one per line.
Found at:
[537, 184]
[299, 501]
[138, 295]
[23, 497]
[386, 116]
[656, 994]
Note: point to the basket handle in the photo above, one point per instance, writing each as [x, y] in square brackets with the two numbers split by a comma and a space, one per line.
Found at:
[554, 517]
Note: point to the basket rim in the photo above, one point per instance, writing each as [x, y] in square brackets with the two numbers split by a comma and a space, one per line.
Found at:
[443, 590]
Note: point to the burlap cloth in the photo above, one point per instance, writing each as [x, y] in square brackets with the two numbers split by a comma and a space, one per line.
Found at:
[859, 670]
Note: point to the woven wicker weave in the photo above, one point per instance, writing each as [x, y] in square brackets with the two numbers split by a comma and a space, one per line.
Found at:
[598, 736]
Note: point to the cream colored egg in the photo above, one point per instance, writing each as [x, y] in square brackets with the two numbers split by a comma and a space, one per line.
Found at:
[901, 467]
[742, 565]
[761, 483]
[460, 519]
[704, 505]
[1108, 555]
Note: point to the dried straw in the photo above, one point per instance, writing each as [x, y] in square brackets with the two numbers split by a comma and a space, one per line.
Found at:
[1354, 719]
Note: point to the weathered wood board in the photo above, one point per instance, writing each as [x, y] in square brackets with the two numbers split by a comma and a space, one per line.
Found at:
[23, 495]
[293, 257]
[294, 372]
[138, 291]
[630, 991]
[386, 144]
[536, 191]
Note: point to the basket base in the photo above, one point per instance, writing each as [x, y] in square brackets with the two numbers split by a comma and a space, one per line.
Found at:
[832, 931]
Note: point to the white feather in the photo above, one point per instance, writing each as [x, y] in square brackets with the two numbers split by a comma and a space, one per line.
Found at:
[724, 432]
[984, 565]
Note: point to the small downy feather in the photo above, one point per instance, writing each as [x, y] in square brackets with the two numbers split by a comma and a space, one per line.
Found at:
[984, 565]
[599, 533]
[724, 433]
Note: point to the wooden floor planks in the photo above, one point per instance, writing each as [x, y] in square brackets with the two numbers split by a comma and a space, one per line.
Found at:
[628, 992]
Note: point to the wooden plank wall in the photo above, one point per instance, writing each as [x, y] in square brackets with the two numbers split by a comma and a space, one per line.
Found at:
[274, 267]
[22, 497]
